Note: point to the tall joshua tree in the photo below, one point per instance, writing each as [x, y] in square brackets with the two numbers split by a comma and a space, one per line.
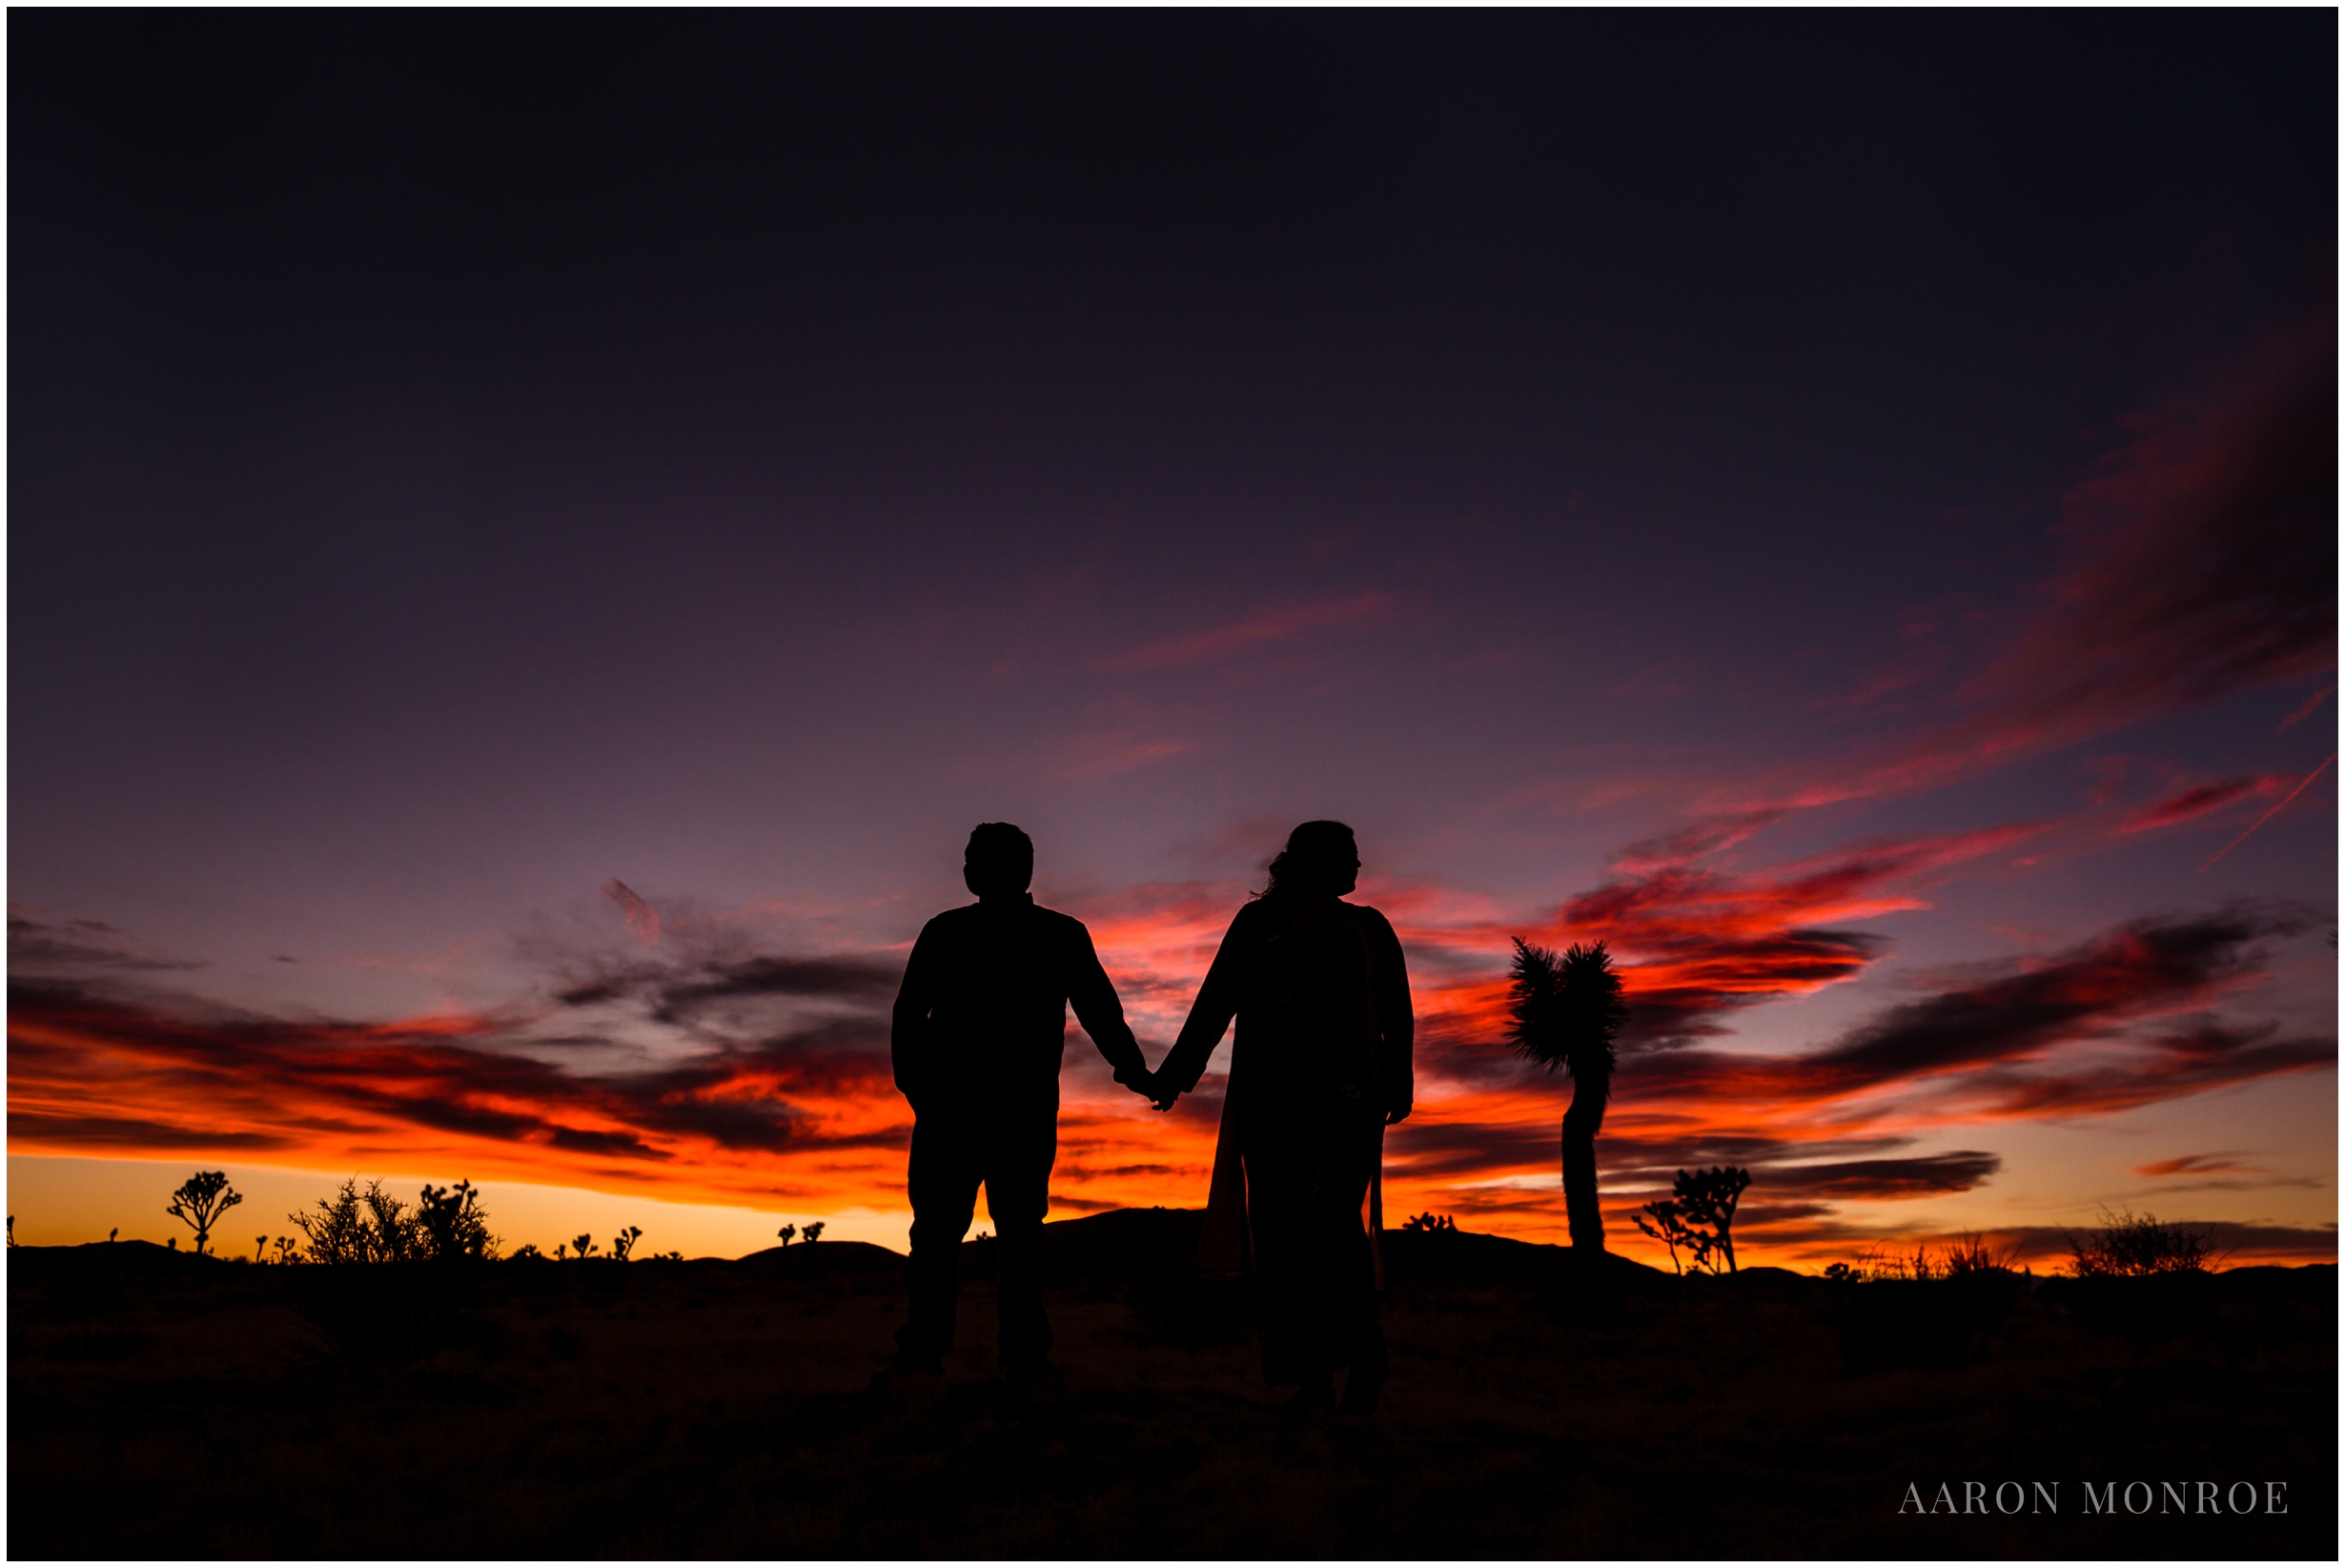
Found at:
[1566, 1012]
[200, 1201]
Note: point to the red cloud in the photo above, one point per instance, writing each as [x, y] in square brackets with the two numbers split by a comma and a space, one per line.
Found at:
[2183, 805]
[769, 1083]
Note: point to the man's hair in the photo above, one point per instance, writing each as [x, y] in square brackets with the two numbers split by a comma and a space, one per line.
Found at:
[1000, 846]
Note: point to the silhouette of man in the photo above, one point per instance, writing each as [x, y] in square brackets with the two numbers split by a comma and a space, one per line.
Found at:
[979, 1025]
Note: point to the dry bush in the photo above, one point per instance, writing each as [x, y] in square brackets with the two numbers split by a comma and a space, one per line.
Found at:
[2126, 1244]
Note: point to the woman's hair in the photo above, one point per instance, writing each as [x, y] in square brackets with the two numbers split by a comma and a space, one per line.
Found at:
[1305, 842]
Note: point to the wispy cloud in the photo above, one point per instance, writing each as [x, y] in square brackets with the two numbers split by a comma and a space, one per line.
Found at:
[2198, 1165]
[1270, 626]
[2202, 562]
[642, 918]
[2194, 801]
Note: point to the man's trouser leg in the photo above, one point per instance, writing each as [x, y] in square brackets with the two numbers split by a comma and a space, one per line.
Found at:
[941, 1181]
[1019, 1196]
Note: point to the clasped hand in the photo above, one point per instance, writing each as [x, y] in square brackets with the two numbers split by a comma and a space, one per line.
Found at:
[1152, 1088]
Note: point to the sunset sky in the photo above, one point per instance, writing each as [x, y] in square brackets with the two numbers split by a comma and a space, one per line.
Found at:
[534, 537]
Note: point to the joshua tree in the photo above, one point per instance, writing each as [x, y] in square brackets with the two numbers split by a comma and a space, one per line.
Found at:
[453, 1225]
[788, 1233]
[624, 1242]
[1567, 1011]
[583, 1245]
[1665, 1223]
[201, 1200]
[1707, 1199]
[260, 1248]
[814, 1231]
[12, 1230]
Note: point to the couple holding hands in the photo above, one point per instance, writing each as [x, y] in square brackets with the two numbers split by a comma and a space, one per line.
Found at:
[1319, 993]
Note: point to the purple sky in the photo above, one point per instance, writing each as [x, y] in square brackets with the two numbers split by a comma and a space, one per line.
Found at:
[459, 462]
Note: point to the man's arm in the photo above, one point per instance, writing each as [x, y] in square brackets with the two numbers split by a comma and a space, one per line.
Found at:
[910, 1042]
[1209, 1015]
[1101, 1015]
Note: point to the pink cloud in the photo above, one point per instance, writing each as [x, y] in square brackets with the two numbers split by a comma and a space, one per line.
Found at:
[1272, 626]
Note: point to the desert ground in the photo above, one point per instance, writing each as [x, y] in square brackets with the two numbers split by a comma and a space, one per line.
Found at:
[165, 1405]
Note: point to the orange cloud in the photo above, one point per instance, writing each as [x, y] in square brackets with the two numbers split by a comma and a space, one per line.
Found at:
[762, 1080]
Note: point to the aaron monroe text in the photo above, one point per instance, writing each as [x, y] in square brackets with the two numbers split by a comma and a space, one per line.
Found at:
[2099, 1497]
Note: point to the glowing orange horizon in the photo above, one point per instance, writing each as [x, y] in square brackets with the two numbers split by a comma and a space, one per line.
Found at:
[462, 1093]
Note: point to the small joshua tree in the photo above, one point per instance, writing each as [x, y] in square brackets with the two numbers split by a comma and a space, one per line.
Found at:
[453, 1225]
[1566, 1012]
[583, 1245]
[1430, 1221]
[13, 1231]
[288, 1250]
[623, 1243]
[788, 1233]
[260, 1248]
[1665, 1223]
[814, 1231]
[200, 1201]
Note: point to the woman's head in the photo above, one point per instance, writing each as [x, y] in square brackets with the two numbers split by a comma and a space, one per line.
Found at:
[1321, 856]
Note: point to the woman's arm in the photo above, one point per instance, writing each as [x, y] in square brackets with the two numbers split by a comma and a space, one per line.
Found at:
[1396, 1016]
[1209, 1015]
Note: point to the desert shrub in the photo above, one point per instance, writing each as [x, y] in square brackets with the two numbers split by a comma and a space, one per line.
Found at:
[2130, 1244]
[370, 1226]
[1880, 1263]
[200, 1201]
[1970, 1257]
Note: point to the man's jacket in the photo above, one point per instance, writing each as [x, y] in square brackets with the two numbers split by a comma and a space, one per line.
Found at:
[981, 1020]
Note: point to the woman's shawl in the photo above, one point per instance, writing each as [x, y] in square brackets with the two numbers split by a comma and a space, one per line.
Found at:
[1226, 1247]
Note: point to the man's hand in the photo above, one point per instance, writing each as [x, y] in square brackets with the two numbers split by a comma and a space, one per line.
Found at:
[1399, 1113]
[1152, 1089]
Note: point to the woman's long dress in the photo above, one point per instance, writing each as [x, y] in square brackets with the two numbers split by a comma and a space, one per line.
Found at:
[1322, 1053]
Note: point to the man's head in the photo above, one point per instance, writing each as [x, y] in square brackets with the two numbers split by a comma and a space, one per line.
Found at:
[1000, 861]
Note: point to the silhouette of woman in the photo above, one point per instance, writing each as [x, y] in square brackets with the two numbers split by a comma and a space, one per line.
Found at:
[1319, 1068]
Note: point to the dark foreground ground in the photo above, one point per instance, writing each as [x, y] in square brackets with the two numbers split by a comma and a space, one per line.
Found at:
[162, 1405]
